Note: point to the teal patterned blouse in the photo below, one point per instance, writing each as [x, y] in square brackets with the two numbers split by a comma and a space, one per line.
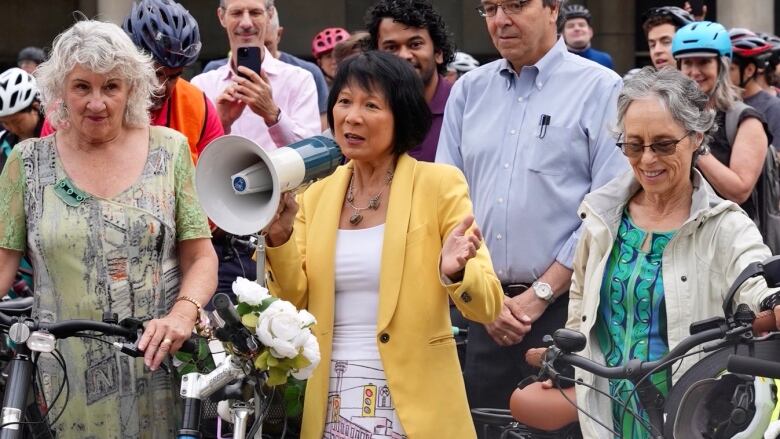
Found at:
[631, 320]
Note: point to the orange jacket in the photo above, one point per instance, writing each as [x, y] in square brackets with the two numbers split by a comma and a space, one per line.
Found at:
[187, 114]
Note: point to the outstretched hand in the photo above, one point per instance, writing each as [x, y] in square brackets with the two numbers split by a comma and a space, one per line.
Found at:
[459, 247]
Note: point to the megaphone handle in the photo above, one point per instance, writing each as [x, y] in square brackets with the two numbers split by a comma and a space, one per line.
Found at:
[260, 255]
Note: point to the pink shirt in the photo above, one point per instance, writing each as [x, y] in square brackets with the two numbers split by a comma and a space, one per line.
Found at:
[294, 93]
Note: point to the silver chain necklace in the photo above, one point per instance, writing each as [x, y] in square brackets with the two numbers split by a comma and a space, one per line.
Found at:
[373, 202]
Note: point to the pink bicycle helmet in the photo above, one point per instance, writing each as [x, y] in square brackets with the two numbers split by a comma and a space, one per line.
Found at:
[326, 40]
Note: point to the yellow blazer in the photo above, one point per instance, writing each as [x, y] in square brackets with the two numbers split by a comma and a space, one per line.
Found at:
[413, 331]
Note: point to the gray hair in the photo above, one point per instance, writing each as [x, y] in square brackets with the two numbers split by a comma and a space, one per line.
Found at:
[273, 22]
[268, 4]
[102, 48]
[688, 105]
[725, 93]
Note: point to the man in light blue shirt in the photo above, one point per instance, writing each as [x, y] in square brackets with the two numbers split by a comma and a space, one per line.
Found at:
[532, 134]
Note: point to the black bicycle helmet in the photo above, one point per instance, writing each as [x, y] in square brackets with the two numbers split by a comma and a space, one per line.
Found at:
[31, 53]
[166, 30]
[680, 16]
[730, 406]
[575, 11]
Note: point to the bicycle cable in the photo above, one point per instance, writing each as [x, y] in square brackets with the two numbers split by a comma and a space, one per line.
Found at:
[655, 369]
[65, 383]
[44, 421]
[573, 403]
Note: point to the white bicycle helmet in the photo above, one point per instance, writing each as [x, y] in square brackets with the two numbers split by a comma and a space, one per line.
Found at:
[730, 406]
[18, 90]
[463, 62]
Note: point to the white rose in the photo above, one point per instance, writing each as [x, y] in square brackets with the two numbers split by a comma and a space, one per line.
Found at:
[278, 327]
[311, 350]
[280, 306]
[249, 292]
[306, 318]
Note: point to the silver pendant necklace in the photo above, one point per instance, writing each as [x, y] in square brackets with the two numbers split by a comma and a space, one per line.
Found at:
[373, 202]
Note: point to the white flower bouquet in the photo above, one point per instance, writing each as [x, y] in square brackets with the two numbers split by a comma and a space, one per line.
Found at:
[289, 347]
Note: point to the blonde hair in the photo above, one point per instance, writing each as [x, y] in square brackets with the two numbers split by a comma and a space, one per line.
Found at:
[101, 48]
[725, 93]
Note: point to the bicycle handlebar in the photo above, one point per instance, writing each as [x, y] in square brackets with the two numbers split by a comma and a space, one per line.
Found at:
[753, 366]
[70, 328]
[763, 322]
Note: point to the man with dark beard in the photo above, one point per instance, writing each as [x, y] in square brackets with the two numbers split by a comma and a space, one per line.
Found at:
[414, 31]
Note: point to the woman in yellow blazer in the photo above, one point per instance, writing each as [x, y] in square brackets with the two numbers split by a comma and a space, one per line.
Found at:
[375, 252]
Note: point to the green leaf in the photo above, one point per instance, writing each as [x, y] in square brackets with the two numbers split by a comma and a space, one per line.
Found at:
[276, 376]
[243, 308]
[261, 362]
[300, 362]
[272, 361]
[187, 368]
[184, 357]
[293, 397]
[203, 350]
[249, 320]
[266, 303]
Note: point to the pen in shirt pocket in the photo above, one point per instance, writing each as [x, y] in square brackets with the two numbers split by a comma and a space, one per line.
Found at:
[544, 122]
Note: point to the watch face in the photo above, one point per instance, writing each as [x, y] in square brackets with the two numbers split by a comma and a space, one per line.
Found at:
[543, 290]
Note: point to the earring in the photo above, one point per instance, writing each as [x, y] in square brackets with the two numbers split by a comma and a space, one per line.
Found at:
[63, 112]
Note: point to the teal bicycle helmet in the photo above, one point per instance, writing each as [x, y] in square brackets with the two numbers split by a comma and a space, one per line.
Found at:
[701, 39]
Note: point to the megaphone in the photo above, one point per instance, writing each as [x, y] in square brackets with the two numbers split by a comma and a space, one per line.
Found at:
[240, 184]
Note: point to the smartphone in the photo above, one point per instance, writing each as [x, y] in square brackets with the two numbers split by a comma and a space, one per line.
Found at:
[697, 7]
[251, 57]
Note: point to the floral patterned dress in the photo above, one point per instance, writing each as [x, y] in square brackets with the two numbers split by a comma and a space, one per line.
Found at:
[632, 317]
[93, 255]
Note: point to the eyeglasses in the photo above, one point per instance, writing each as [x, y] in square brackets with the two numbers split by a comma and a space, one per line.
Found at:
[509, 7]
[665, 147]
[175, 46]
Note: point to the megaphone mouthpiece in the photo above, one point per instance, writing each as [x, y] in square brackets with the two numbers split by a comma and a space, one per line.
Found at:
[255, 178]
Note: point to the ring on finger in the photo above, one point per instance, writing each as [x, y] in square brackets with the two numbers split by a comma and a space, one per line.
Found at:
[505, 338]
[166, 342]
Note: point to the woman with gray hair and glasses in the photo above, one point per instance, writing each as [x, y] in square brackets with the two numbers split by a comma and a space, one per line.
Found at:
[106, 210]
[658, 251]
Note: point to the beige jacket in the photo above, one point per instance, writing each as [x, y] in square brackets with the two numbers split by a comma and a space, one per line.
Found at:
[699, 264]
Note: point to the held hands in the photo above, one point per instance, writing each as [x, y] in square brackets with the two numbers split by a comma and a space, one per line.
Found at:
[281, 226]
[458, 248]
[165, 336]
[255, 91]
[229, 108]
[516, 317]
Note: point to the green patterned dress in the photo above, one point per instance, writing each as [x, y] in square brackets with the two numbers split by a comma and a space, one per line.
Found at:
[92, 255]
[632, 316]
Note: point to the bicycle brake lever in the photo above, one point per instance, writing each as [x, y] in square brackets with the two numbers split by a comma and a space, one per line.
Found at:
[132, 350]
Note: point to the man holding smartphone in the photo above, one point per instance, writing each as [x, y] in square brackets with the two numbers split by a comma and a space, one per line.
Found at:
[265, 100]
[261, 98]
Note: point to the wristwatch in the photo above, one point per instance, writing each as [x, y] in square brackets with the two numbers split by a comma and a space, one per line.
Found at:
[543, 291]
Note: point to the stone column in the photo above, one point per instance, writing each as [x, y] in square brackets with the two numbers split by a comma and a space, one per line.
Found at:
[613, 24]
[114, 11]
[756, 15]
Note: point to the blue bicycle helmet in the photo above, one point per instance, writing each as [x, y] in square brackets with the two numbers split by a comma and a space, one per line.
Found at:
[701, 39]
[166, 30]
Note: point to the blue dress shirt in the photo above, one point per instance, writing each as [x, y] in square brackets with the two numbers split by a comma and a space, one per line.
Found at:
[527, 180]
